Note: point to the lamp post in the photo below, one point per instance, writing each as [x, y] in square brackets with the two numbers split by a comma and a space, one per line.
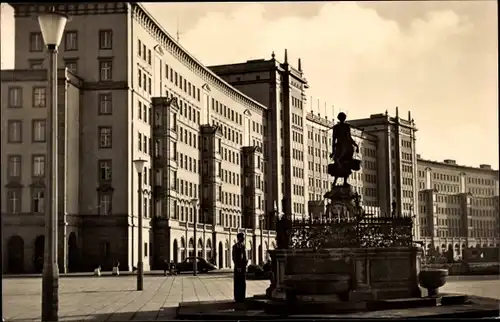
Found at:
[139, 166]
[194, 202]
[52, 27]
[261, 255]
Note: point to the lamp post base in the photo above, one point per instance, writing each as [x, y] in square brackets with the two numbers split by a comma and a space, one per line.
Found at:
[50, 292]
[140, 276]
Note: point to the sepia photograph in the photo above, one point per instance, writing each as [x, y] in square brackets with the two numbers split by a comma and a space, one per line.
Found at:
[294, 160]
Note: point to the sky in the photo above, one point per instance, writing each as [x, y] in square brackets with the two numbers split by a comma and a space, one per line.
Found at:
[438, 60]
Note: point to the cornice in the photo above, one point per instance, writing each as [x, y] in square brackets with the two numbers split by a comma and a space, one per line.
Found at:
[39, 75]
[143, 17]
[73, 9]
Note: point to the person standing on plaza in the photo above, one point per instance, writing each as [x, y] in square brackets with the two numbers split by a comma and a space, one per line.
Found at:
[240, 267]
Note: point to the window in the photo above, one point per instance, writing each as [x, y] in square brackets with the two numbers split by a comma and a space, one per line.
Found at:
[105, 199]
[105, 70]
[104, 170]
[14, 201]
[105, 137]
[149, 56]
[105, 104]
[38, 166]
[36, 41]
[38, 195]
[39, 96]
[14, 134]
[105, 39]
[14, 166]
[72, 66]
[38, 131]
[15, 97]
[71, 41]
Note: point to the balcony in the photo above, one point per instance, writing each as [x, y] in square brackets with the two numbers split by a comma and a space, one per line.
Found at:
[159, 192]
[159, 162]
[159, 131]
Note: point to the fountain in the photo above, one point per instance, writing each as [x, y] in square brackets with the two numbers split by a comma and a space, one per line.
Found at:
[347, 264]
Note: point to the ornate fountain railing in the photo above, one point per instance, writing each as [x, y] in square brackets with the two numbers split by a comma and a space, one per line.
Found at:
[354, 232]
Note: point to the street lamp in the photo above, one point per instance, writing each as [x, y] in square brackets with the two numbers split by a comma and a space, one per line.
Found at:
[139, 166]
[52, 26]
[194, 202]
[261, 255]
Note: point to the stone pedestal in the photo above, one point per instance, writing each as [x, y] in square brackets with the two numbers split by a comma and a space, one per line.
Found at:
[341, 274]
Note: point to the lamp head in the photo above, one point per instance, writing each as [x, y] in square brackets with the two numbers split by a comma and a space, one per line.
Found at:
[52, 26]
[139, 164]
[194, 202]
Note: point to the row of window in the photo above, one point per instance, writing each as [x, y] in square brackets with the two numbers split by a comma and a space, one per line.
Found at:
[231, 115]
[456, 178]
[297, 119]
[296, 154]
[14, 200]
[298, 172]
[15, 131]
[297, 137]
[15, 97]
[14, 166]
[298, 190]
[144, 81]
[70, 40]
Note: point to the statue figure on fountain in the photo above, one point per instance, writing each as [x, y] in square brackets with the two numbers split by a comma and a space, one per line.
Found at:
[343, 151]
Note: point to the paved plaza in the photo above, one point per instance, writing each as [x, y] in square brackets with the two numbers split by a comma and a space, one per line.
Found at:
[115, 299]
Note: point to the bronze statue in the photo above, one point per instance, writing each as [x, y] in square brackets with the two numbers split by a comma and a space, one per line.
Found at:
[343, 151]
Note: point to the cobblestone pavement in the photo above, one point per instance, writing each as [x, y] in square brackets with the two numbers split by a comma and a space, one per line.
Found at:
[115, 298]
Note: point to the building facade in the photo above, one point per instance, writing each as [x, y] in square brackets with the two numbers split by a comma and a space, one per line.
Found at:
[223, 146]
[458, 206]
[142, 97]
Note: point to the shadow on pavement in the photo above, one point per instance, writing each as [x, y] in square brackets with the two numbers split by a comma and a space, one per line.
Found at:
[164, 314]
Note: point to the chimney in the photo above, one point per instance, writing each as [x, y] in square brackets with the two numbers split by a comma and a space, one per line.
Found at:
[485, 166]
[300, 65]
[286, 56]
[397, 111]
[449, 161]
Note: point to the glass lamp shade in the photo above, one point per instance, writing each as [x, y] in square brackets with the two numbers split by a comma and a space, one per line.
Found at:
[52, 26]
[139, 165]
[194, 202]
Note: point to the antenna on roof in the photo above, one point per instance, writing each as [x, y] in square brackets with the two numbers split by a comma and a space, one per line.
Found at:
[178, 32]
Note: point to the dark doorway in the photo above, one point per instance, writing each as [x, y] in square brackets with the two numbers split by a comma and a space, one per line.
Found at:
[39, 253]
[105, 258]
[72, 253]
[15, 255]
[221, 255]
[176, 252]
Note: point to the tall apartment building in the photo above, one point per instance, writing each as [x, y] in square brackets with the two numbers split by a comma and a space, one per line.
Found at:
[458, 206]
[281, 87]
[137, 94]
[389, 142]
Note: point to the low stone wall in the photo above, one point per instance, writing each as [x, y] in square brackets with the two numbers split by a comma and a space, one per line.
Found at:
[371, 273]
